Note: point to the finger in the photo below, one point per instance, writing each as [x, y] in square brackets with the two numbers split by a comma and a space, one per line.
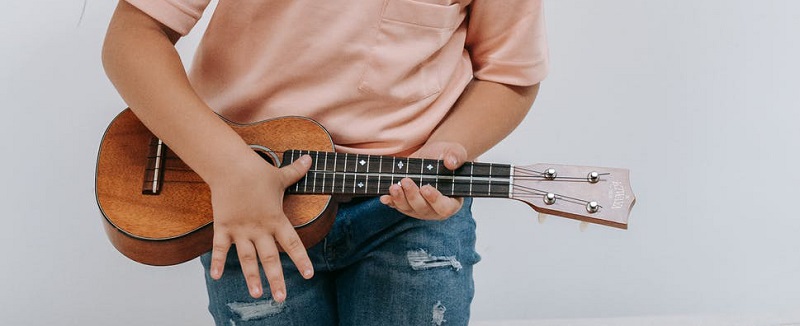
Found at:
[249, 261]
[295, 171]
[415, 200]
[219, 251]
[443, 205]
[387, 200]
[454, 157]
[399, 198]
[271, 262]
[293, 246]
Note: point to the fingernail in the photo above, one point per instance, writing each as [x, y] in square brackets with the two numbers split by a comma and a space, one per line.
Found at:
[256, 291]
[215, 272]
[308, 272]
[305, 160]
[279, 296]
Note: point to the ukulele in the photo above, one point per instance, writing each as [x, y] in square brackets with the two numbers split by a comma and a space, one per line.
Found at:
[157, 211]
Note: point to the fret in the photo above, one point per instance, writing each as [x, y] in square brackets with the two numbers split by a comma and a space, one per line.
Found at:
[421, 171]
[305, 179]
[380, 171]
[366, 181]
[453, 184]
[406, 167]
[438, 164]
[333, 180]
[324, 168]
[355, 177]
[316, 162]
[335, 159]
[394, 159]
[471, 176]
[358, 164]
[291, 160]
[462, 183]
[358, 182]
[490, 179]
[344, 168]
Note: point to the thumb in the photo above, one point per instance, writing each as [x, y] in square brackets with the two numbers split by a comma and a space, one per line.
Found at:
[294, 172]
[454, 157]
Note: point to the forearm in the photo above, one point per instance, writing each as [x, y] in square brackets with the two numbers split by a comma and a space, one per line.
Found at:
[484, 115]
[141, 61]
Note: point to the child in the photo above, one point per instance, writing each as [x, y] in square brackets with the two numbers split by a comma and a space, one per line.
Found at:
[442, 79]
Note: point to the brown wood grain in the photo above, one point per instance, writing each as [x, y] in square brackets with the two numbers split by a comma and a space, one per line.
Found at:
[175, 225]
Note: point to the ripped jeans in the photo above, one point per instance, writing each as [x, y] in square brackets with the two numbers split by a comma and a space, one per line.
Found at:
[376, 267]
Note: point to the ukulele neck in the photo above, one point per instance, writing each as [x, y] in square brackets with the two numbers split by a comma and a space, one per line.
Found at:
[372, 175]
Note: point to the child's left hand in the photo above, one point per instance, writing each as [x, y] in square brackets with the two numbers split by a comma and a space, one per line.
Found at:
[427, 203]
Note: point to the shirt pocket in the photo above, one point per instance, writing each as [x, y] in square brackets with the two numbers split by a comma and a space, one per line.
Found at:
[402, 64]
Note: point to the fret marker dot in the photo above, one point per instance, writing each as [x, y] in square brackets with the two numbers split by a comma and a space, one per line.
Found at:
[430, 167]
[400, 165]
[361, 185]
[362, 162]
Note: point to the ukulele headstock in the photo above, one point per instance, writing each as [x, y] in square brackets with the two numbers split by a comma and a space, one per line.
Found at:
[590, 194]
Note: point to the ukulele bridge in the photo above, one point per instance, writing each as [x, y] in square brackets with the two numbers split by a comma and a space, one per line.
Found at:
[154, 171]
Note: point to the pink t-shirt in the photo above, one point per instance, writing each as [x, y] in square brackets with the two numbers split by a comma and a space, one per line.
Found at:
[378, 74]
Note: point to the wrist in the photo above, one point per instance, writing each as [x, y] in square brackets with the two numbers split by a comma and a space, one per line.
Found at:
[238, 168]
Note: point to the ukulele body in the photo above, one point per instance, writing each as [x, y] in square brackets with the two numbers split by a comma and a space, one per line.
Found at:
[174, 224]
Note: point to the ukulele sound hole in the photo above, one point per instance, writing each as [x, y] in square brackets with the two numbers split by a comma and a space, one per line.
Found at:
[267, 154]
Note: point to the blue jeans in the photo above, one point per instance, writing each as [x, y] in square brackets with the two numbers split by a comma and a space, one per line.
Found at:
[376, 267]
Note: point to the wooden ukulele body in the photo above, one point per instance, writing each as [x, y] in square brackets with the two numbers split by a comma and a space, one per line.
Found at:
[175, 224]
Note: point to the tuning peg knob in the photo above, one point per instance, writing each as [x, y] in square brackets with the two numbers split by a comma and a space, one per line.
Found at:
[592, 207]
[593, 177]
[550, 174]
[549, 198]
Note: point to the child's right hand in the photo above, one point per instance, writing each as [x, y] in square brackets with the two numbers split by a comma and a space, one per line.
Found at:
[248, 212]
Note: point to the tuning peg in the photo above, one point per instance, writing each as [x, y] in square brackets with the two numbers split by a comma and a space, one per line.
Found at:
[542, 218]
[583, 226]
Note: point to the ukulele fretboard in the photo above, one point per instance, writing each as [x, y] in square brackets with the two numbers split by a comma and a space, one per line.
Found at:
[370, 175]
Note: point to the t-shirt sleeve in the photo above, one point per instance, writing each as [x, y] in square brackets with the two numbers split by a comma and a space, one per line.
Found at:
[506, 41]
[179, 15]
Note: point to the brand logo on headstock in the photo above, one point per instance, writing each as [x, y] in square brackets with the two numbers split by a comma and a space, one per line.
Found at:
[618, 194]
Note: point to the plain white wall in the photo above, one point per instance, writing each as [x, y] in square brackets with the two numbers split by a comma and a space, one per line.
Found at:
[699, 98]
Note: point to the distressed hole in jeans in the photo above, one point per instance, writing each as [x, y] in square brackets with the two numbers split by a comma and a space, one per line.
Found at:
[255, 310]
[421, 260]
[438, 314]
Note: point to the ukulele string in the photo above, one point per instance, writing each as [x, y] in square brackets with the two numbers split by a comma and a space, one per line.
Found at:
[521, 173]
[530, 192]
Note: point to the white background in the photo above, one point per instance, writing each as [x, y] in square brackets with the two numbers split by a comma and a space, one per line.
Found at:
[699, 98]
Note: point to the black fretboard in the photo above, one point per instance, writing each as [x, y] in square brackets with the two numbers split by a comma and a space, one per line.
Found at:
[371, 175]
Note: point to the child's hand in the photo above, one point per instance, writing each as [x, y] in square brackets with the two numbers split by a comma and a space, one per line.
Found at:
[248, 212]
[427, 203]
